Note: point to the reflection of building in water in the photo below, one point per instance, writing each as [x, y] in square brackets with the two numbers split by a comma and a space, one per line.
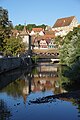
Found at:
[43, 80]
[28, 86]
[25, 93]
[47, 78]
[25, 90]
[47, 67]
[41, 83]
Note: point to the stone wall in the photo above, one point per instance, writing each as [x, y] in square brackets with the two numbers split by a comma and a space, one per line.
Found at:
[11, 63]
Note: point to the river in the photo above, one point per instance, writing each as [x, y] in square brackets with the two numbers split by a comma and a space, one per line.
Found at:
[19, 87]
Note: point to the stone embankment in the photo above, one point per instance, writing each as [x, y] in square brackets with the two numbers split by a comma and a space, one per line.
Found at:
[7, 64]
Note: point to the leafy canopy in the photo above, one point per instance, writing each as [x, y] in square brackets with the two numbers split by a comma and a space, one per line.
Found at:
[70, 50]
[14, 46]
[5, 26]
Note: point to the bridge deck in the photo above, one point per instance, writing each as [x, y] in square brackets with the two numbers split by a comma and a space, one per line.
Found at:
[46, 51]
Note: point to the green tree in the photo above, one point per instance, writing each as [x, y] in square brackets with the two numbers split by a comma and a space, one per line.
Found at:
[5, 26]
[19, 27]
[14, 46]
[30, 26]
[59, 41]
[41, 26]
[70, 50]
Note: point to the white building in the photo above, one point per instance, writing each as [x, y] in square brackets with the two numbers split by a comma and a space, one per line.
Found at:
[25, 36]
[63, 25]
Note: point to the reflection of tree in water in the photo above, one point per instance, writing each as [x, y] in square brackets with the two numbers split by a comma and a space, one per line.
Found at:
[21, 86]
[4, 111]
[14, 88]
[70, 77]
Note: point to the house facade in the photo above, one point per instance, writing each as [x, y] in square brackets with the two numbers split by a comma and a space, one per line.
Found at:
[25, 36]
[42, 39]
[51, 44]
[45, 41]
[43, 44]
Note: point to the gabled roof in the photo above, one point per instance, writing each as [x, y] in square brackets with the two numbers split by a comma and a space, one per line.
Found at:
[37, 29]
[63, 22]
[48, 36]
[51, 32]
[45, 37]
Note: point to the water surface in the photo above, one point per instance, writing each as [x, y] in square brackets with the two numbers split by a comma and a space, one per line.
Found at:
[19, 87]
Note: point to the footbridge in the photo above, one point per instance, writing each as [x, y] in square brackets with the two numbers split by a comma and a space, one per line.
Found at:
[42, 54]
[46, 51]
[46, 55]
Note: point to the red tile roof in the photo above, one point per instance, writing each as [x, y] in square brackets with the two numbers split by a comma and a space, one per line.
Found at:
[51, 32]
[45, 37]
[48, 36]
[63, 22]
[37, 29]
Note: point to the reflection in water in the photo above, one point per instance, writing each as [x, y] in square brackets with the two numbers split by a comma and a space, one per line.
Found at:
[22, 86]
[4, 111]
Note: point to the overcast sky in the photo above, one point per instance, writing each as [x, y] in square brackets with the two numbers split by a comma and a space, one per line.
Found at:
[40, 11]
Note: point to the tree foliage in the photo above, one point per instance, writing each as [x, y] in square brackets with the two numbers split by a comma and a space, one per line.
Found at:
[5, 26]
[59, 41]
[8, 44]
[13, 46]
[70, 50]
[19, 27]
[29, 26]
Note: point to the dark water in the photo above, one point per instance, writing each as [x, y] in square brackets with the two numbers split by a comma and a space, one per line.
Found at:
[19, 87]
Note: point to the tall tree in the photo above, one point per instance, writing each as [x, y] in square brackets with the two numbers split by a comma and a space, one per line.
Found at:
[5, 26]
[70, 51]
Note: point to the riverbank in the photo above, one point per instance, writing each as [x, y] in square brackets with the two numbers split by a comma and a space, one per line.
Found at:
[7, 64]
